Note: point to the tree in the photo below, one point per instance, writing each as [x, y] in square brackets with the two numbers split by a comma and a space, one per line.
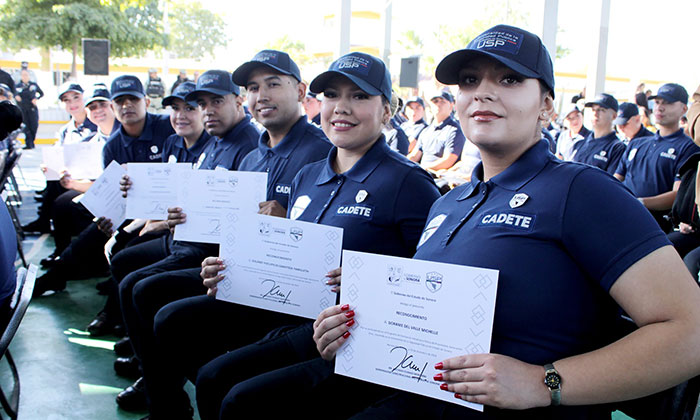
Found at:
[195, 32]
[132, 26]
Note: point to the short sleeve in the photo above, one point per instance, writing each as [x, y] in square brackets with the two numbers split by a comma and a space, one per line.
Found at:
[615, 157]
[622, 165]
[687, 152]
[454, 142]
[605, 229]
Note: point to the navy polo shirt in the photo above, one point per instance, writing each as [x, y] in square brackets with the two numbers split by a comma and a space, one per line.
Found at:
[397, 140]
[413, 129]
[439, 140]
[317, 119]
[381, 202]
[69, 133]
[602, 152]
[643, 132]
[304, 143]
[560, 235]
[228, 152]
[175, 149]
[651, 164]
[148, 147]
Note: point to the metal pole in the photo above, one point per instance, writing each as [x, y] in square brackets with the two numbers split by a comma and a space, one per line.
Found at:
[595, 82]
[549, 26]
[345, 16]
[387, 32]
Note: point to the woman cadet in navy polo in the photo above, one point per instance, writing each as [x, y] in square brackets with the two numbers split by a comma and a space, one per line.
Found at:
[572, 247]
[379, 198]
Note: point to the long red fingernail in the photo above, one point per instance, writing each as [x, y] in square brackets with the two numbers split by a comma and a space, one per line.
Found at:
[350, 314]
[438, 377]
[458, 396]
[350, 323]
[443, 387]
[345, 307]
[347, 334]
[438, 365]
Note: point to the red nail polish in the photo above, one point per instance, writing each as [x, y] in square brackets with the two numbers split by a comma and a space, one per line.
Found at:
[345, 307]
[458, 396]
[438, 377]
[350, 314]
[347, 334]
[443, 387]
[438, 365]
[350, 323]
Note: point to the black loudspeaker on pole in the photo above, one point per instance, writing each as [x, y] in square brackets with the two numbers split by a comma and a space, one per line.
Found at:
[96, 56]
[409, 72]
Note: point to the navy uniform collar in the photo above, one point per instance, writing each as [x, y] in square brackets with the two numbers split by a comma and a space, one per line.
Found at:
[288, 143]
[675, 135]
[448, 121]
[608, 137]
[528, 165]
[196, 147]
[362, 169]
[235, 131]
[146, 133]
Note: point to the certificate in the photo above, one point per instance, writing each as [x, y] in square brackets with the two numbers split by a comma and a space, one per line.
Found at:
[278, 264]
[52, 158]
[153, 189]
[205, 195]
[104, 198]
[83, 160]
[412, 314]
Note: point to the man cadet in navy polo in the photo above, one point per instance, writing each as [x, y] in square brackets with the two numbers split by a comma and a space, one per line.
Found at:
[275, 90]
[440, 144]
[629, 122]
[601, 148]
[176, 148]
[415, 111]
[650, 166]
[312, 108]
[225, 119]
[142, 135]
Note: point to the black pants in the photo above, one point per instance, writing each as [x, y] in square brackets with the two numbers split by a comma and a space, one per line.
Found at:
[190, 333]
[52, 191]
[30, 118]
[84, 257]
[69, 219]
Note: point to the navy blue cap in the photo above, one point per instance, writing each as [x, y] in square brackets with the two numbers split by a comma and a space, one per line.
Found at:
[181, 92]
[368, 72]
[278, 61]
[605, 100]
[626, 111]
[312, 95]
[98, 92]
[416, 99]
[217, 82]
[127, 85]
[5, 88]
[672, 92]
[69, 87]
[513, 47]
[444, 94]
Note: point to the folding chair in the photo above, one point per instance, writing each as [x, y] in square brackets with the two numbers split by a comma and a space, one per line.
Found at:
[21, 299]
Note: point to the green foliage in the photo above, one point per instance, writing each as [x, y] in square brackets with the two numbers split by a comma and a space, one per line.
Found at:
[195, 32]
[131, 26]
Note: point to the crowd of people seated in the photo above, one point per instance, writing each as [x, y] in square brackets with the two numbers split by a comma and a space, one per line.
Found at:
[612, 207]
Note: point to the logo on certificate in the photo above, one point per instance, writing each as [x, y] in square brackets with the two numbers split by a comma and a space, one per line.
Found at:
[296, 234]
[433, 281]
[394, 274]
[264, 229]
[233, 181]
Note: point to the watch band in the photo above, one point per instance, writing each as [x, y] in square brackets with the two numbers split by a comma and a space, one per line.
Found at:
[552, 381]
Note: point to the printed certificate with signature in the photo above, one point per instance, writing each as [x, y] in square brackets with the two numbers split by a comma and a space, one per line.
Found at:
[278, 264]
[411, 314]
[153, 189]
[205, 196]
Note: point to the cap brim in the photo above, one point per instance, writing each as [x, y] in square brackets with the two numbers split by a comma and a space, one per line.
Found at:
[415, 102]
[620, 121]
[69, 90]
[242, 73]
[96, 98]
[447, 72]
[168, 100]
[665, 98]
[129, 92]
[590, 104]
[321, 81]
[192, 96]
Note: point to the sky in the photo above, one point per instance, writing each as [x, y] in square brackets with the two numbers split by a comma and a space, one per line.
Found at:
[648, 39]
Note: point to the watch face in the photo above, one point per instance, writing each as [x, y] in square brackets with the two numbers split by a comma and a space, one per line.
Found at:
[552, 380]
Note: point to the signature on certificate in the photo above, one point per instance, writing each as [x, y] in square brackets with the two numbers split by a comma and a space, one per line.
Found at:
[407, 362]
[275, 291]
